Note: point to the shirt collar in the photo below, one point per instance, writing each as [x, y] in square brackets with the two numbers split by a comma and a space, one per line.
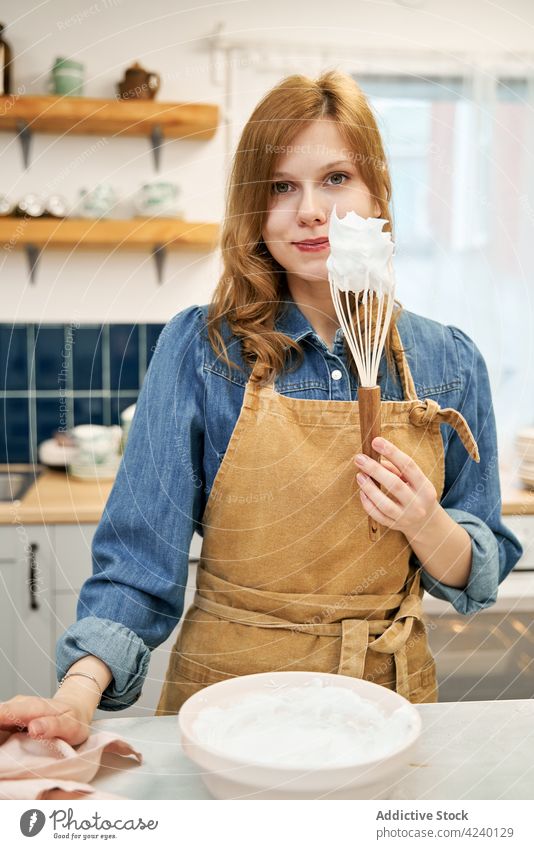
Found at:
[291, 321]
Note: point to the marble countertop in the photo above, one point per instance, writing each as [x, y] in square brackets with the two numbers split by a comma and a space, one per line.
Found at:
[467, 750]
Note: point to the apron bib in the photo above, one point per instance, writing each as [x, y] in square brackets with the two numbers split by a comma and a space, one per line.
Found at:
[288, 578]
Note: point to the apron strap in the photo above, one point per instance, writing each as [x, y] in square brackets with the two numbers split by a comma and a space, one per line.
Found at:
[394, 639]
[426, 411]
[242, 616]
[401, 360]
[354, 634]
[354, 645]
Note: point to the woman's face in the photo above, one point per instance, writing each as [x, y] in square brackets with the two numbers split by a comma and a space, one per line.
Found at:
[313, 173]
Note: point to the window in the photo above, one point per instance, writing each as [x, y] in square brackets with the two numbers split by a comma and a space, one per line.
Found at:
[459, 150]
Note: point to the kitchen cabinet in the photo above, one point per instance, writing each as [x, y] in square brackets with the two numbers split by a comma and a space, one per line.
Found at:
[73, 566]
[26, 632]
[42, 569]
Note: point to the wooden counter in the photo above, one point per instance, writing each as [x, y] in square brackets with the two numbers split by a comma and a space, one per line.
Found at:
[516, 498]
[55, 497]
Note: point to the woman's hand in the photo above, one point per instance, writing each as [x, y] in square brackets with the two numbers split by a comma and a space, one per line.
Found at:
[45, 718]
[407, 500]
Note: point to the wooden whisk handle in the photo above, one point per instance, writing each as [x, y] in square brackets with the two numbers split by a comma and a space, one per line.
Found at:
[370, 427]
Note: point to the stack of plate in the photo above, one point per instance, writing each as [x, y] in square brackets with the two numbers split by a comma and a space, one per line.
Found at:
[94, 471]
[524, 443]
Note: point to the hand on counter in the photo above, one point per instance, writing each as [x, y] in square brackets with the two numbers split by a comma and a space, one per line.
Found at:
[63, 717]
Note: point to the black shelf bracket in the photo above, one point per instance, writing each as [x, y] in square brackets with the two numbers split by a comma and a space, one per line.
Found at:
[156, 140]
[32, 257]
[159, 253]
[25, 137]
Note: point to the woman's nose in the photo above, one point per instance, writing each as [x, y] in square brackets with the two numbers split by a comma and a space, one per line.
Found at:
[311, 209]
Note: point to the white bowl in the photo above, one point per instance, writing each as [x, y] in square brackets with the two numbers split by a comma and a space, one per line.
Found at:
[229, 777]
[57, 456]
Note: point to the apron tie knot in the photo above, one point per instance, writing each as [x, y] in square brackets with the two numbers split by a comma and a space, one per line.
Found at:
[424, 412]
[355, 642]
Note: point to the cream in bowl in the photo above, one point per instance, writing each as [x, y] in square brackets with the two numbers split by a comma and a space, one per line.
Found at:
[298, 735]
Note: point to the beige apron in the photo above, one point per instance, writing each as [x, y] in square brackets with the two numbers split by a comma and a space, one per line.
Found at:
[287, 578]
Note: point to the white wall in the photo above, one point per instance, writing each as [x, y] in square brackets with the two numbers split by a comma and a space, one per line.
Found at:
[169, 36]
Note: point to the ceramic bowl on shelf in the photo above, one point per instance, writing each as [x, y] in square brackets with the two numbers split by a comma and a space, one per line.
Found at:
[158, 199]
[232, 775]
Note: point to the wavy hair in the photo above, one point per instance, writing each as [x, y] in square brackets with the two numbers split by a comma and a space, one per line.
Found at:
[250, 289]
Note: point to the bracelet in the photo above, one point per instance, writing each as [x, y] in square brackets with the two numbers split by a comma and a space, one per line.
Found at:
[85, 675]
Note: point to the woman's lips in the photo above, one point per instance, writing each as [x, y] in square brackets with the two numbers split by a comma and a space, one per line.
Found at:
[312, 247]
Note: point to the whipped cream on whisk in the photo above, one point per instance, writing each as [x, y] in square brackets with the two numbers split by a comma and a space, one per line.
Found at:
[359, 254]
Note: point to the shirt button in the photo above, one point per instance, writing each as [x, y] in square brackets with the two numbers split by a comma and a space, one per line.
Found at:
[337, 374]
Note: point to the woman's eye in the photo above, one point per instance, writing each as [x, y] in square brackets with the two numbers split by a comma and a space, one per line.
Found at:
[282, 188]
[338, 174]
[278, 188]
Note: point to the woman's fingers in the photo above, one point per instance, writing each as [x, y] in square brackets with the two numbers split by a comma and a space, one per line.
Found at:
[383, 475]
[373, 511]
[20, 710]
[411, 472]
[391, 467]
[43, 718]
[379, 499]
[65, 726]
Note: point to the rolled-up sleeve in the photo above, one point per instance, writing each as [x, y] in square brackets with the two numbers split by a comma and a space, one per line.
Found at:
[472, 492]
[140, 551]
[122, 649]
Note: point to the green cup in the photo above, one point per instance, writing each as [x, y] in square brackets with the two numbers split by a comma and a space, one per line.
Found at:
[66, 77]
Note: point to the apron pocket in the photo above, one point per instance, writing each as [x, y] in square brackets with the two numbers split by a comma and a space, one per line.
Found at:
[184, 678]
[197, 673]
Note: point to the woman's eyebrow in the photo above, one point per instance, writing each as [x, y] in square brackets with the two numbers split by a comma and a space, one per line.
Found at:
[324, 168]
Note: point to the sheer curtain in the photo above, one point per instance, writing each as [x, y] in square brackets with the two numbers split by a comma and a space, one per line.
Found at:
[461, 152]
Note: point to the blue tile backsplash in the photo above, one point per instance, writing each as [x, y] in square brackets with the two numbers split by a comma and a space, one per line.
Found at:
[57, 376]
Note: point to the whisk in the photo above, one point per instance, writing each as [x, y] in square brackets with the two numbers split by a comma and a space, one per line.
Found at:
[360, 270]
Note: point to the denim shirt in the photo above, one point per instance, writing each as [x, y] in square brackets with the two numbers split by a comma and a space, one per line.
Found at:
[185, 414]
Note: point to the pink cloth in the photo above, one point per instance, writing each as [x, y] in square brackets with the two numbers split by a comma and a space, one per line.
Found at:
[52, 769]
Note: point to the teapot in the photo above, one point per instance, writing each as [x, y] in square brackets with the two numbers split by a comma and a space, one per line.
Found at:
[138, 84]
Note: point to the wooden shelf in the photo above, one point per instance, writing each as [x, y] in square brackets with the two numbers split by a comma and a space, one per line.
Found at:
[107, 233]
[155, 234]
[95, 116]
[116, 117]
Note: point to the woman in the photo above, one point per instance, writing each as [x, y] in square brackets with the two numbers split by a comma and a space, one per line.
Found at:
[246, 431]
